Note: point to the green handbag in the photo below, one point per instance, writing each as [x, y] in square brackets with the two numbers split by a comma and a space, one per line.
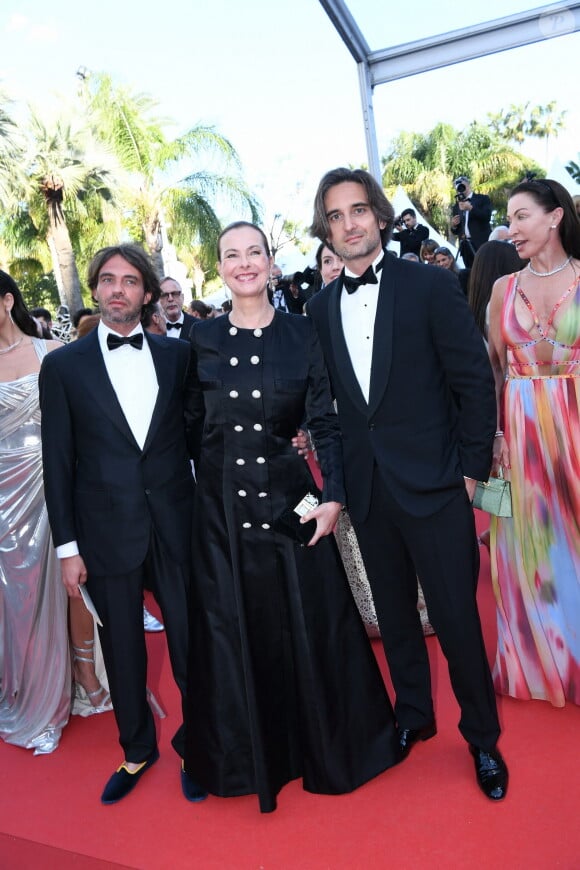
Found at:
[494, 496]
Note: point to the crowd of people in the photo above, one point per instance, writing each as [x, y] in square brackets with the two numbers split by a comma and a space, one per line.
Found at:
[163, 449]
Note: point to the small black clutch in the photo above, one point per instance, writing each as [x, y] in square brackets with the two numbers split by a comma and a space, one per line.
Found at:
[288, 523]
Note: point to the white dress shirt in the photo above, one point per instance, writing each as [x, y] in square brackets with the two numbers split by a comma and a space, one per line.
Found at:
[134, 380]
[358, 311]
[466, 222]
[174, 333]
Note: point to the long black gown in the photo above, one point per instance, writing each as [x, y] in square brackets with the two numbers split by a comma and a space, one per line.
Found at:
[282, 679]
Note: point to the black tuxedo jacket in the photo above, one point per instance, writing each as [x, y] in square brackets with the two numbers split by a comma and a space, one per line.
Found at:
[479, 218]
[431, 414]
[411, 240]
[101, 489]
[188, 322]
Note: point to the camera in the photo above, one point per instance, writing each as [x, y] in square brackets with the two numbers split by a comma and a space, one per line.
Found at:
[460, 188]
[398, 222]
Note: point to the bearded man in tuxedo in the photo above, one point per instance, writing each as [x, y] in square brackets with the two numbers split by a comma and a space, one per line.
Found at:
[119, 491]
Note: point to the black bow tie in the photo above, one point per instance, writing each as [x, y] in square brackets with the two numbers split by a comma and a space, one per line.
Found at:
[115, 341]
[351, 285]
[177, 325]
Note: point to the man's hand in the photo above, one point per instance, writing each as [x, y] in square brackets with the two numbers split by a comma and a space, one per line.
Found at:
[455, 220]
[470, 485]
[302, 443]
[465, 205]
[326, 515]
[74, 574]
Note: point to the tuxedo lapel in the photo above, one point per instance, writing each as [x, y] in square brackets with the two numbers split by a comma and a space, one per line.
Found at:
[383, 335]
[165, 369]
[93, 378]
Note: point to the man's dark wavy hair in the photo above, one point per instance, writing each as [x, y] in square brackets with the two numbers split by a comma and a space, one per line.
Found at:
[380, 205]
[138, 258]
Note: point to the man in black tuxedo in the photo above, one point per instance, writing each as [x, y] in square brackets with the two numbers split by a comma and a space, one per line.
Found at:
[416, 405]
[410, 234]
[119, 491]
[470, 219]
[178, 321]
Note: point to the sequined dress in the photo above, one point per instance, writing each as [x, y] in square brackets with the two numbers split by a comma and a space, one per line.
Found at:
[536, 554]
[282, 679]
[35, 674]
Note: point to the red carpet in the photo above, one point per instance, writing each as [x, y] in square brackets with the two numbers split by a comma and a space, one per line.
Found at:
[426, 813]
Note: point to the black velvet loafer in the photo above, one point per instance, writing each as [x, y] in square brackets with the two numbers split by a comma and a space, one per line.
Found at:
[409, 736]
[491, 771]
[123, 781]
[191, 790]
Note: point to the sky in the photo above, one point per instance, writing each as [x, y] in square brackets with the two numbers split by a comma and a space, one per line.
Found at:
[277, 80]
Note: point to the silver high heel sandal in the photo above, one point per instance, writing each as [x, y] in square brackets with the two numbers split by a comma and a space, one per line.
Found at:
[87, 655]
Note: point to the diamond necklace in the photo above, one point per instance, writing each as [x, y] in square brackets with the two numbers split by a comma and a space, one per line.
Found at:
[552, 272]
[11, 346]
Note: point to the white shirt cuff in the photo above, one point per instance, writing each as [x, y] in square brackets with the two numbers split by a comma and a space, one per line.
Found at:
[66, 550]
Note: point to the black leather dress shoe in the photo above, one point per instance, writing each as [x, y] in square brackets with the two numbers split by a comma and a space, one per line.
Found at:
[191, 790]
[409, 736]
[491, 771]
[123, 781]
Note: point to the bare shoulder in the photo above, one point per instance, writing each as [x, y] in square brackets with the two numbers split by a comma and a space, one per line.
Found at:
[53, 344]
[500, 286]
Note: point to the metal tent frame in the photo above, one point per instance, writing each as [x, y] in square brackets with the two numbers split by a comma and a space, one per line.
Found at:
[446, 49]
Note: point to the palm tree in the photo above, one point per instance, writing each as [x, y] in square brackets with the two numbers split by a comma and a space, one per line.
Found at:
[172, 185]
[573, 169]
[520, 121]
[9, 151]
[512, 123]
[545, 122]
[66, 194]
[425, 164]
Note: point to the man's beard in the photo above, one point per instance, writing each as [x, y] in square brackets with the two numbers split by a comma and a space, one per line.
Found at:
[112, 315]
[367, 245]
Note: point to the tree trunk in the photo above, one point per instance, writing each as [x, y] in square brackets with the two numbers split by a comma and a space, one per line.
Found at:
[64, 263]
[154, 241]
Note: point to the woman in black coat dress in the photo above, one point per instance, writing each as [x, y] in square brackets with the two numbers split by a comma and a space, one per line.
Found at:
[282, 680]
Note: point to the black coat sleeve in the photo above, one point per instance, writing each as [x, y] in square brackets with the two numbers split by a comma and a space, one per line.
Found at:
[323, 424]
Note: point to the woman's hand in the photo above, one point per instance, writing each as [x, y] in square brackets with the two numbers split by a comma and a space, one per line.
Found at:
[74, 574]
[501, 455]
[326, 516]
[302, 443]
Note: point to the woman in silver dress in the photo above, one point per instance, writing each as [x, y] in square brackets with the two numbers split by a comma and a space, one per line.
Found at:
[35, 668]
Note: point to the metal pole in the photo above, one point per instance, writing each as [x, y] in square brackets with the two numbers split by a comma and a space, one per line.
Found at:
[366, 95]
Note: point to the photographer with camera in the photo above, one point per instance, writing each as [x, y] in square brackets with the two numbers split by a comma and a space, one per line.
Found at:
[409, 233]
[285, 293]
[471, 214]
